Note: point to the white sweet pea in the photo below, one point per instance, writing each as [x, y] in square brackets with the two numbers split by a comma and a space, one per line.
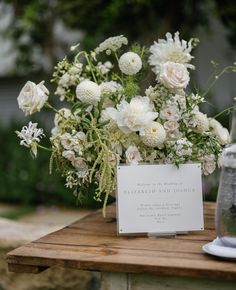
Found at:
[132, 155]
[32, 97]
[174, 76]
[69, 155]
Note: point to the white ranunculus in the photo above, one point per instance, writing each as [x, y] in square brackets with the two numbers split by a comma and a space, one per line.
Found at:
[132, 155]
[134, 116]
[32, 97]
[174, 76]
[130, 63]
[153, 135]
[88, 92]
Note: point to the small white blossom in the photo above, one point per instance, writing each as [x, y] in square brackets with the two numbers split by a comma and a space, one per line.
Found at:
[153, 135]
[171, 49]
[130, 63]
[81, 167]
[30, 136]
[134, 116]
[88, 92]
[132, 155]
[105, 67]
[170, 113]
[111, 88]
[111, 44]
[174, 76]
[67, 141]
[32, 97]
[183, 147]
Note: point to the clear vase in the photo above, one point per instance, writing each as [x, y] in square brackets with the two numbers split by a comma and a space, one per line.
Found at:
[226, 199]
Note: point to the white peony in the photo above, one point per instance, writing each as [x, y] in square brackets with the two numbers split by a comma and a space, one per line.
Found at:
[153, 135]
[88, 92]
[171, 49]
[32, 97]
[221, 132]
[174, 76]
[132, 155]
[134, 116]
[130, 63]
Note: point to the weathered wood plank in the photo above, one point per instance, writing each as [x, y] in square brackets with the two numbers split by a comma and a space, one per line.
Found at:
[25, 268]
[93, 244]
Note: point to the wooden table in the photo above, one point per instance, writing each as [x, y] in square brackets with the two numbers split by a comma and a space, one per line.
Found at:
[127, 262]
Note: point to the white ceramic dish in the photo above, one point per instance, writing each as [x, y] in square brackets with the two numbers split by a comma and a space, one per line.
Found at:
[216, 248]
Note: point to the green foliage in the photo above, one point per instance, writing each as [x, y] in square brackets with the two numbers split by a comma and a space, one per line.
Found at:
[27, 181]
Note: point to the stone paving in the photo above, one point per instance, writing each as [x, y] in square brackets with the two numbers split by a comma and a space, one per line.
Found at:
[31, 226]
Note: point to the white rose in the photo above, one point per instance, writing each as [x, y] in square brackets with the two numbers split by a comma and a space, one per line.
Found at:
[221, 132]
[32, 97]
[174, 75]
[132, 155]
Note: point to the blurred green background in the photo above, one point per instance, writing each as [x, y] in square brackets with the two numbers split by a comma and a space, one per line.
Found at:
[34, 35]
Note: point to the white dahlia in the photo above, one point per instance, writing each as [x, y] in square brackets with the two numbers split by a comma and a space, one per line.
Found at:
[88, 92]
[171, 49]
[130, 63]
[134, 116]
[153, 135]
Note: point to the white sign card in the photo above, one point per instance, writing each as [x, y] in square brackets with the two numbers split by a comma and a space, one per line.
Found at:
[159, 198]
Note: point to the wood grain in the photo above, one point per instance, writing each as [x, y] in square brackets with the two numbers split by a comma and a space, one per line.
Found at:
[92, 244]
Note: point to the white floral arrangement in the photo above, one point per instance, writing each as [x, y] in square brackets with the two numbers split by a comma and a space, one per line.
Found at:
[113, 116]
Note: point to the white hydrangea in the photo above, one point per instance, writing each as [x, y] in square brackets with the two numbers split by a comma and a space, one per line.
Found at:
[111, 44]
[153, 135]
[88, 92]
[136, 115]
[32, 97]
[174, 76]
[133, 155]
[130, 63]
[171, 49]
[219, 131]
[30, 136]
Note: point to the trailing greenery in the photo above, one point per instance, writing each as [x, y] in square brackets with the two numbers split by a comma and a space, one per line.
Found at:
[27, 181]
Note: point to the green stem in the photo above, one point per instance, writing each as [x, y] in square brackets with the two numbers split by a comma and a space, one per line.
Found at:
[230, 109]
[44, 148]
[91, 67]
